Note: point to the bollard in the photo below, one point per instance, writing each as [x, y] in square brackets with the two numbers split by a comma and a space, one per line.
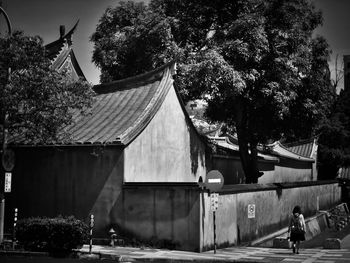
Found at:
[90, 235]
[2, 218]
[14, 228]
[113, 237]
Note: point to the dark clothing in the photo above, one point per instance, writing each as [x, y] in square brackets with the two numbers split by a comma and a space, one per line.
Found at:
[297, 228]
[294, 236]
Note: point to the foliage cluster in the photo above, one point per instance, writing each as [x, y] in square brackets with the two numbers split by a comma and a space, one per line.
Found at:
[334, 141]
[60, 234]
[36, 101]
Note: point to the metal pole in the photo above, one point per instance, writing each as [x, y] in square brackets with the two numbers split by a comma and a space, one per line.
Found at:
[90, 235]
[7, 21]
[2, 206]
[14, 228]
[2, 219]
[214, 218]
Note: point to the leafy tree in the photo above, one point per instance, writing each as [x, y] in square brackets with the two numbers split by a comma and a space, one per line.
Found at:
[254, 62]
[338, 72]
[316, 96]
[334, 141]
[36, 101]
[131, 39]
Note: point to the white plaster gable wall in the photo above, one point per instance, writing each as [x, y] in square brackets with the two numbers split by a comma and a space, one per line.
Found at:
[162, 152]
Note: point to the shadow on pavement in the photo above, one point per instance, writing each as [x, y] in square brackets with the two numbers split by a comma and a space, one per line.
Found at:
[318, 240]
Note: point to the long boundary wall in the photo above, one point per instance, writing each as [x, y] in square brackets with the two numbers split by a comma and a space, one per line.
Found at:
[273, 205]
[180, 214]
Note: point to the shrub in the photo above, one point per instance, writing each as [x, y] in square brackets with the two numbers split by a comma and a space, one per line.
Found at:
[60, 234]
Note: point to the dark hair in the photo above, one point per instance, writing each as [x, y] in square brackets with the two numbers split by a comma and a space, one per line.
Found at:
[297, 209]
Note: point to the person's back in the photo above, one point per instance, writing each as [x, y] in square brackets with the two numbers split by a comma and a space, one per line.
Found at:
[297, 223]
[297, 228]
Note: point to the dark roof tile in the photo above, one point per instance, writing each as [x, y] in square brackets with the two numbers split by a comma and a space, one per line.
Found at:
[303, 148]
[344, 172]
[123, 110]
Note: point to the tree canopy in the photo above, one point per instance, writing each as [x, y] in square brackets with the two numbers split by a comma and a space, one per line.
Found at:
[334, 141]
[131, 39]
[36, 100]
[255, 62]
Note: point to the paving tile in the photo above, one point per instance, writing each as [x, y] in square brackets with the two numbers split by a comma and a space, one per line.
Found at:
[292, 260]
[244, 254]
[252, 257]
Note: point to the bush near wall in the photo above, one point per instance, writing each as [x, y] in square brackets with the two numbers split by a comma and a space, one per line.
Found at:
[55, 235]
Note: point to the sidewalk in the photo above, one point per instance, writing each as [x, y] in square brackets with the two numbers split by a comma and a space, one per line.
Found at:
[233, 254]
[311, 251]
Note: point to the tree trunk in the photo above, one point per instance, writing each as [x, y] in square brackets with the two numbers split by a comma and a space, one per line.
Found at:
[244, 155]
[254, 162]
[247, 150]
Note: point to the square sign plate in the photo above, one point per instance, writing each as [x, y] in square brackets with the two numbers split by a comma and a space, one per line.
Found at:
[251, 211]
[8, 177]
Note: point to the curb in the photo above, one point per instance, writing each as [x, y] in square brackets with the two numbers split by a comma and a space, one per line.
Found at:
[23, 253]
[101, 256]
[120, 258]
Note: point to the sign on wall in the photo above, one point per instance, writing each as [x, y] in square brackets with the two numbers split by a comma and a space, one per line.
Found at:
[8, 177]
[214, 201]
[214, 181]
[251, 211]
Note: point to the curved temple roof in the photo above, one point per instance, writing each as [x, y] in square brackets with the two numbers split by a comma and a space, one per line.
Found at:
[280, 150]
[53, 48]
[122, 109]
[62, 49]
[344, 172]
[226, 143]
[271, 153]
[304, 148]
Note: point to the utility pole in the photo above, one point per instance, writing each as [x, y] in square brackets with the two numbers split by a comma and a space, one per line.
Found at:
[4, 131]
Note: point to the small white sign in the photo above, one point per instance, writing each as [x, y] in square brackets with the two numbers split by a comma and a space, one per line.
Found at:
[214, 201]
[8, 177]
[251, 211]
[214, 181]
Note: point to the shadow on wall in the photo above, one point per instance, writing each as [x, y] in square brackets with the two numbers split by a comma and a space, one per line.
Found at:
[53, 181]
[129, 240]
[197, 148]
[158, 214]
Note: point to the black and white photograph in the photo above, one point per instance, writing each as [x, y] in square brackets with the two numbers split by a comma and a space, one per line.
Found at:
[174, 131]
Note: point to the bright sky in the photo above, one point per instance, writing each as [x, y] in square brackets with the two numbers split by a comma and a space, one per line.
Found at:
[335, 29]
[43, 18]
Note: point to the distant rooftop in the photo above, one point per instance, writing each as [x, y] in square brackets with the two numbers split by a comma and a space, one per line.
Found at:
[303, 148]
[62, 49]
[344, 172]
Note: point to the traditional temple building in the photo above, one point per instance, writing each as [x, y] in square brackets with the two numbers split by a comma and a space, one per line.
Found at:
[61, 53]
[344, 173]
[137, 135]
[308, 149]
[135, 163]
[278, 162]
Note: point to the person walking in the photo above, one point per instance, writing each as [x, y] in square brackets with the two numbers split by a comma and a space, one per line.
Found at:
[297, 228]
